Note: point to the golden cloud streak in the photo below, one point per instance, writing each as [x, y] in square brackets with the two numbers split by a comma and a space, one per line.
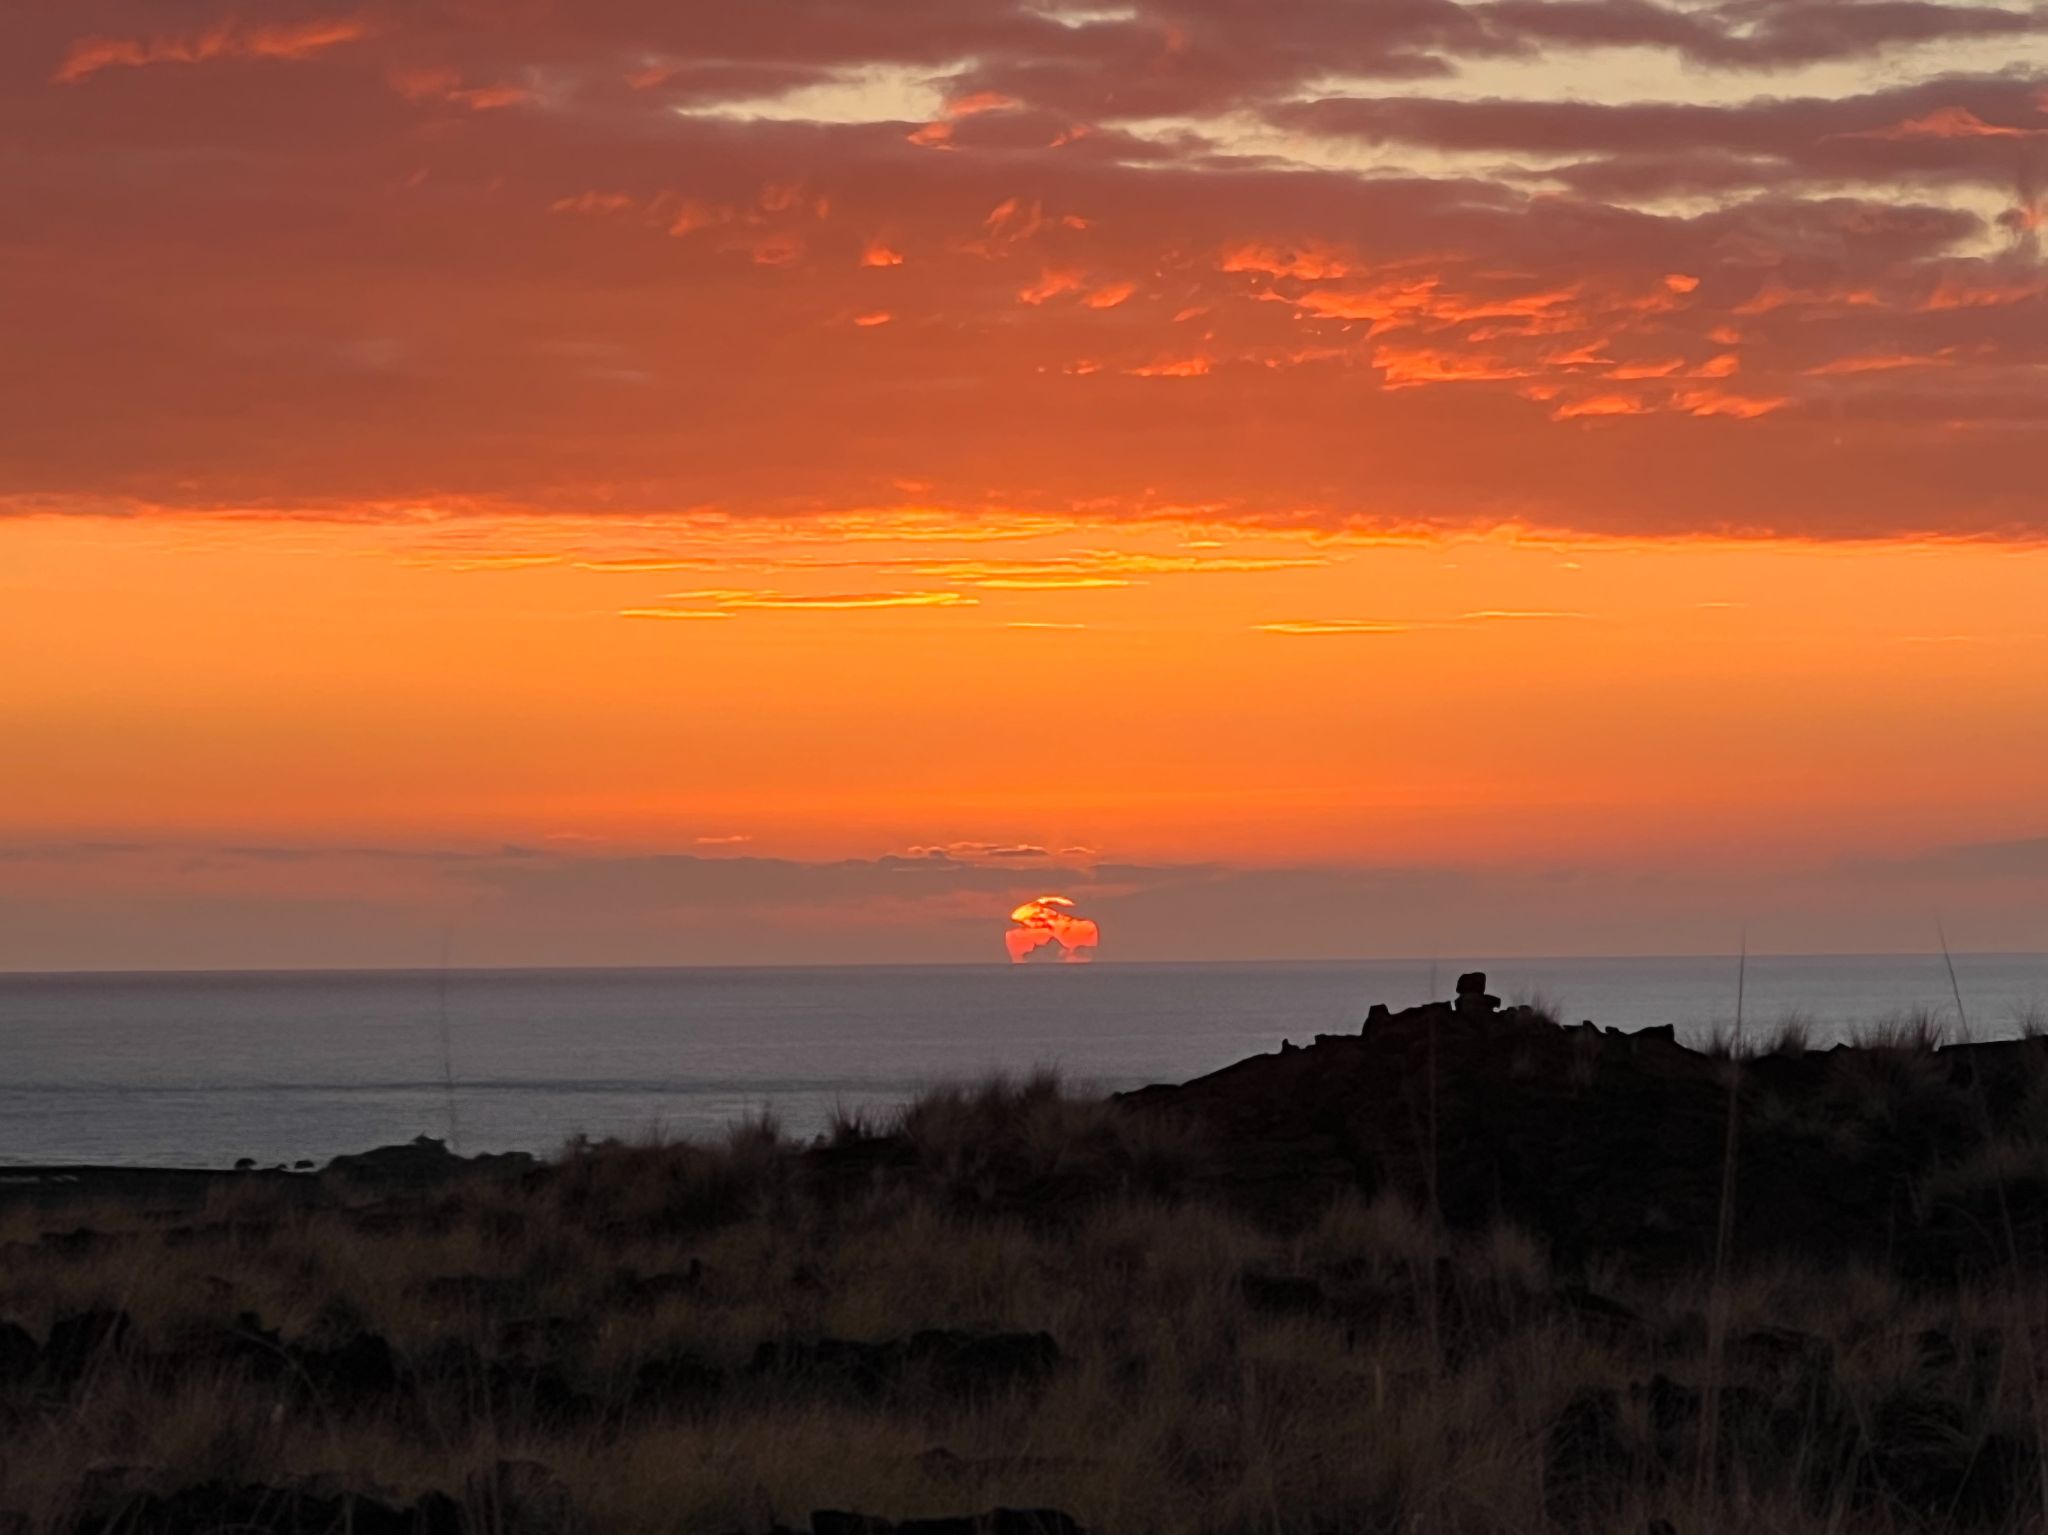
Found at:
[730, 598]
[1334, 626]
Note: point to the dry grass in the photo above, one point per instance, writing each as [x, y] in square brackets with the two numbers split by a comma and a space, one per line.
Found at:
[1539, 1006]
[2029, 1020]
[1795, 1032]
[1214, 1375]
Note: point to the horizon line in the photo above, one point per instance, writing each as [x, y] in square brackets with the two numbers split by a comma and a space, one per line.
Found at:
[10, 973]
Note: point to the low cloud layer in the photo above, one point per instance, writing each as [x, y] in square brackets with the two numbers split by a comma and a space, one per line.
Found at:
[1762, 267]
[105, 905]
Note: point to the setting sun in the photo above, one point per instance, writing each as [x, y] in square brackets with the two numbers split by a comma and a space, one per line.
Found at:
[1049, 928]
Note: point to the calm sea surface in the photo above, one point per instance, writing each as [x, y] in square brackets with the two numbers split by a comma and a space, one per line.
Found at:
[200, 1069]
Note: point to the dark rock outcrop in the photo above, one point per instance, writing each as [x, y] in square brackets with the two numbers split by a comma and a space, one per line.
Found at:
[676, 1379]
[20, 1356]
[1283, 1294]
[647, 1290]
[475, 1292]
[422, 1163]
[358, 1369]
[1473, 1000]
[215, 1507]
[1000, 1521]
[79, 1341]
[957, 1363]
[1604, 1141]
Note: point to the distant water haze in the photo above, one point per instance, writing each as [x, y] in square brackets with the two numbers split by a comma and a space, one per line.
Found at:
[201, 1069]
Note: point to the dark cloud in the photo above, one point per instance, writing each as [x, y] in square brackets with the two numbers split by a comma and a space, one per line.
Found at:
[2024, 858]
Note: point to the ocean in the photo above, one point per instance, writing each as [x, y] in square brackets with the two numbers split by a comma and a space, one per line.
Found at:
[202, 1069]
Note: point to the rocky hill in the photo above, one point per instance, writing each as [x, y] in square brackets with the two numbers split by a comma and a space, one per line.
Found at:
[1604, 1141]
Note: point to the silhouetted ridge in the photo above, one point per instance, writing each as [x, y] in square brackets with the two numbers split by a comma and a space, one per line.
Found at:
[1610, 1141]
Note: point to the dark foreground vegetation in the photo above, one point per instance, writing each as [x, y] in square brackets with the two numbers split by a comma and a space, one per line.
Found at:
[1468, 1271]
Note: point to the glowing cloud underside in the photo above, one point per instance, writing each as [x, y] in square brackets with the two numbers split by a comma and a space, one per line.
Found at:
[1048, 929]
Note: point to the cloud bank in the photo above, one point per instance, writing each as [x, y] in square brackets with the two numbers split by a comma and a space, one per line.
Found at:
[139, 905]
[1772, 266]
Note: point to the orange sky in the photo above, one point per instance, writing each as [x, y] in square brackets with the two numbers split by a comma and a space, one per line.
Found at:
[626, 483]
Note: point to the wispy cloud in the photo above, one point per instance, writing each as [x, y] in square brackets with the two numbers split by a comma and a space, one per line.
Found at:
[1392, 626]
[1333, 626]
[737, 598]
[225, 40]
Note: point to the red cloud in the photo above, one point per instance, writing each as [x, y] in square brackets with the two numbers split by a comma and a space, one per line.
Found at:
[1051, 283]
[440, 84]
[227, 40]
[1310, 259]
[1950, 123]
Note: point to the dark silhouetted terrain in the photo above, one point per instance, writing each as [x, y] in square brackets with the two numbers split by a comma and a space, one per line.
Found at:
[1464, 1271]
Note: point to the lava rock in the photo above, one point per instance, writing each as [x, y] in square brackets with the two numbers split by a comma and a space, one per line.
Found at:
[424, 1163]
[635, 1289]
[677, 1378]
[1283, 1294]
[964, 1363]
[361, 1369]
[20, 1358]
[1472, 995]
[213, 1507]
[543, 1392]
[958, 1363]
[999, 1521]
[78, 1341]
[475, 1292]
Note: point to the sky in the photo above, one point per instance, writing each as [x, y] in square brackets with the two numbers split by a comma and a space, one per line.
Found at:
[627, 482]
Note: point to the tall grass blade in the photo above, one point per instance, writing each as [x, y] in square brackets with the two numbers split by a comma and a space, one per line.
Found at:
[447, 1047]
[2035, 1402]
[1724, 1241]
